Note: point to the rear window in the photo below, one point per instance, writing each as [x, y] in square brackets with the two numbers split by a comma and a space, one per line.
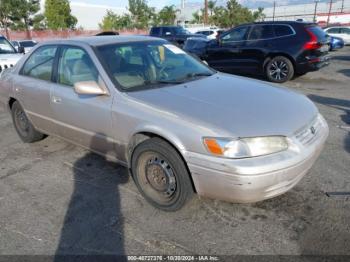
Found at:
[28, 43]
[283, 30]
[316, 30]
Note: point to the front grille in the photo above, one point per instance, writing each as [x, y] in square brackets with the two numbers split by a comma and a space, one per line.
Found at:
[3, 67]
[308, 135]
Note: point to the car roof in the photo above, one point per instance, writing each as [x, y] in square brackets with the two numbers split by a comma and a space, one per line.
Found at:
[281, 22]
[103, 40]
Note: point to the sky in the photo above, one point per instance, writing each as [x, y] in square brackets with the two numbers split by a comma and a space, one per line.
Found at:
[124, 3]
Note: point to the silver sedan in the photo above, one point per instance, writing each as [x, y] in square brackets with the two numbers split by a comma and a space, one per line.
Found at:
[180, 127]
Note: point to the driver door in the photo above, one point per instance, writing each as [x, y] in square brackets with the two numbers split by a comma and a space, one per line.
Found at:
[226, 55]
[82, 119]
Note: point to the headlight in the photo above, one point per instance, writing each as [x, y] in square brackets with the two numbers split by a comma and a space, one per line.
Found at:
[246, 147]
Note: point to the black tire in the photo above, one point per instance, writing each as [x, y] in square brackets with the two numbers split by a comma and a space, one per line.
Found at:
[23, 126]
[279, 70]
[161, 175]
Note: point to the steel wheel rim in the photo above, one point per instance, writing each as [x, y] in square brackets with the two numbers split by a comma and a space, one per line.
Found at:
[156, 178]
[279, 70]
[22, 122]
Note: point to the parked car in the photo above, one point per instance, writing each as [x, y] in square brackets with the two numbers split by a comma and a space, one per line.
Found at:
[278, 50]
[336, 43]
[210, 33]
[26, 44]
[174, 34]
[103, 33]
[180, 126]
[340, 31]
[8, 54]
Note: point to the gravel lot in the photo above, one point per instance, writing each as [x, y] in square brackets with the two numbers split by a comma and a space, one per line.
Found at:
[56, 198]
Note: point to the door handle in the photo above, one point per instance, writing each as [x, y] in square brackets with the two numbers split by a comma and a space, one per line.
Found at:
[56, 100]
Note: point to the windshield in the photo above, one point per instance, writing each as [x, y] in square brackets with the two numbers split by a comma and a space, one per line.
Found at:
[147, 65]
[6, 47]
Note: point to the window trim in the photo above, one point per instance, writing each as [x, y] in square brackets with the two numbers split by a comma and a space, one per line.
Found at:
[275, 37]
[20, 72]
[236, 41]
[59, 57]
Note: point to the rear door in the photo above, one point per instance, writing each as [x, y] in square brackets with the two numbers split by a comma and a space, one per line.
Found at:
[227, 54]
[345, 34]
[260, 43]
[82, 119]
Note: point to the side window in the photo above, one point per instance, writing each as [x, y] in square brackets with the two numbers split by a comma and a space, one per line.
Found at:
[282, 30]
[345, 31]
[75, 65]
[40, 63]
[333, 31]
[238, 34]
[261, 32]
[167, 31]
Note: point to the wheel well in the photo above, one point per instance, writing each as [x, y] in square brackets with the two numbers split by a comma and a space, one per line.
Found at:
[11, 101]
[271, 56]
[143, 136]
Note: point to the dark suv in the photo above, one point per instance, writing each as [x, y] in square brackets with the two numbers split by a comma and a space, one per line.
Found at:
[174, 34]
[279, 50]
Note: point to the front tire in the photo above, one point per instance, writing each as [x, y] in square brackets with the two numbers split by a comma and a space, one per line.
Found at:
[279, 70]
[23, 126]
[161, 175]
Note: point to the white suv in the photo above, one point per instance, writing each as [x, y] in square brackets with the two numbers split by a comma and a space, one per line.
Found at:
[340, 31]
[8, 54]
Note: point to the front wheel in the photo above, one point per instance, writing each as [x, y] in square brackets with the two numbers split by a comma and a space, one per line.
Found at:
[161, 175]
[279, 69]
[23, 126]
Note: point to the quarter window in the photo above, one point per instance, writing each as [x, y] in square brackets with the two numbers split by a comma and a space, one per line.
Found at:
[261, 32]
[76, 66]
[282, 30]
[238, 34]
[40, 63]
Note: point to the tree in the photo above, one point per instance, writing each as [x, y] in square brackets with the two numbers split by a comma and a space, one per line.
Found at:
[58, 15]
[111, 21]
[141, 14]
[6, 8]
[167, 15]
[197, 17]
[211, 7]
[259, 14]
[25, 14]
[234, 14]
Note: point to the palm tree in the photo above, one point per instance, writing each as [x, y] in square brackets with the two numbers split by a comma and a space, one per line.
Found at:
[211, 6]
[167, 15]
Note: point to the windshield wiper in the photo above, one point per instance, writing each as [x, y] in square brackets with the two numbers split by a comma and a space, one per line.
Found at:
[167, 82]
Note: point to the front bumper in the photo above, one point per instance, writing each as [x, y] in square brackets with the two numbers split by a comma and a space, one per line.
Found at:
[254, 179]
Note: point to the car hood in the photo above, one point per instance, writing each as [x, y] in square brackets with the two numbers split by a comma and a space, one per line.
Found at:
[232, 105]
[10, 59]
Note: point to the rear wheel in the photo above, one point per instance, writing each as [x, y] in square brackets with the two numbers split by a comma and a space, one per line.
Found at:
[161, 175]
[279, 69]
[23, 126]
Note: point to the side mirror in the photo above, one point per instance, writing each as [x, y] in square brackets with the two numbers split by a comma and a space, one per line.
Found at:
[89, 88]
[21, 50]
